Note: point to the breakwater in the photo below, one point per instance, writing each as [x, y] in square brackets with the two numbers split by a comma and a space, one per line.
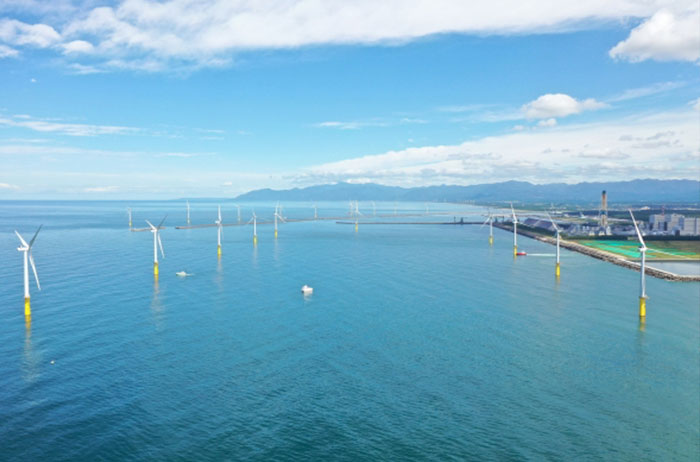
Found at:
[601, 255]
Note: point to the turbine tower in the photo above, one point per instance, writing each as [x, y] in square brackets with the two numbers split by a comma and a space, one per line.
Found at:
[188, 213]
[278, 215]
[254, 220]
[489, 220]
[557, 269]
[515, 232]
[219, 232]
[28, 258]
[128, 212]
[156, 243]
[238, 207]
[642, 281]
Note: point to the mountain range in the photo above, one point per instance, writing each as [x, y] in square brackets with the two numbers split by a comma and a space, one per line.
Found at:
[635, 191]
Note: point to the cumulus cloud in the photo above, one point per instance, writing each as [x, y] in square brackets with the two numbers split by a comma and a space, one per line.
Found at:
[547, 122]
[583, 152]
[558, 105]
[78, 46]
[663, 37]
[20, 33]
[152, 35]
[7, 52]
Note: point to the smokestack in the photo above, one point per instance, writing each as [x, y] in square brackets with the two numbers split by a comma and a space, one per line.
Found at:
[604, 209]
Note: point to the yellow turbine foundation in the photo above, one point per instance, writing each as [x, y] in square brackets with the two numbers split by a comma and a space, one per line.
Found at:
[356, 226]
[490, 240]
[27, 307]
[557, 270]
[642, 307]
[515, 251]
[255, 240]
[155, 269]
[275, 234]
[218, 251]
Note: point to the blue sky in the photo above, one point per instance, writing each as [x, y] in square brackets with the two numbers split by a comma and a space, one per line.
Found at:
[184, 98]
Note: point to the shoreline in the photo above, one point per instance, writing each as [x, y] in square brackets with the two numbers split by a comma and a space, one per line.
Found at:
[602, 255]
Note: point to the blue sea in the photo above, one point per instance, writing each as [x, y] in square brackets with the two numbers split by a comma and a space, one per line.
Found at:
[420, 342]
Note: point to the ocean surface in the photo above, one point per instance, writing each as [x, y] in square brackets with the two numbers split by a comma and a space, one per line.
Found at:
[420, 342]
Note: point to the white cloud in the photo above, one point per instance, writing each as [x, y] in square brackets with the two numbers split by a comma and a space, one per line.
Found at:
[7, 52]
[573, 153]
[640, 92]
[8, 186]
[663, 37]
[547, 122]
[20, 33]
[101, 189]
[78, 46]
[696, 104]
[150, 35]
[71, 129]
[558, 105]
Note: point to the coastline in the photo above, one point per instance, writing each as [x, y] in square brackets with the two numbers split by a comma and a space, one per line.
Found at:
[602, 255]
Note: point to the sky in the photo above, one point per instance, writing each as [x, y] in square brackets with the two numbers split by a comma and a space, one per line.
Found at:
[143, 99]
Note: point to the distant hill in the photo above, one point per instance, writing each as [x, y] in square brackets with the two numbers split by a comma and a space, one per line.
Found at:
[650, 191]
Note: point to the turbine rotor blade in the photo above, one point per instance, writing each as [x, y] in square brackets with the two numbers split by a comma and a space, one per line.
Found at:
[636, 228]
[24, 243]
[35, 235]
[150, 224]
[36, 276]
[552, 221]
[160, 244]
[162, 221]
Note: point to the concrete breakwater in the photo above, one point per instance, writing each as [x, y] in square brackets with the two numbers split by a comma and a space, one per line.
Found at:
[601, 255]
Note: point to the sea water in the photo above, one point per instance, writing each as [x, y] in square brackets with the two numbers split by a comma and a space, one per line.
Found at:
[419, 342]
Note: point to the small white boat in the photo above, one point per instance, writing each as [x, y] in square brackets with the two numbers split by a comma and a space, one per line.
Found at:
[306, 290]
[183, 274]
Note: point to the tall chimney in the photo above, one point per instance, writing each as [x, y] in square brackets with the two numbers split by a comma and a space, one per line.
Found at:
[604, 209]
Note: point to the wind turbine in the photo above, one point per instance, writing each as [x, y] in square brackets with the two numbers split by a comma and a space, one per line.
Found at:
[278, 215]
[489, 220]
[357, 215]
[128, 212]
[515, 232]
[27, 249]
[642, 281]
[239, 213]
[188, 213]
[254, 220]
[557, 270]
[315, 212]
[156, 243]
[219, 232]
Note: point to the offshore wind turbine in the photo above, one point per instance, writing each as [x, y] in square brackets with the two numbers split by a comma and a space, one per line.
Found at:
[489, 220]
[278, 215]
[238, 207]
[188, 213]
[357, 215]
[315, 212]
[642, 281]
[156, 243]
[28, 258]
[219, 232]
[515, 231]
[254, 220]
[557, 269]
[128, 212]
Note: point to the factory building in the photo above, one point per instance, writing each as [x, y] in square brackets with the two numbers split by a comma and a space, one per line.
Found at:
[674, 224]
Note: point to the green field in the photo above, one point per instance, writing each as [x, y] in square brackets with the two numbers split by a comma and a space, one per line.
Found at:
[658, 250]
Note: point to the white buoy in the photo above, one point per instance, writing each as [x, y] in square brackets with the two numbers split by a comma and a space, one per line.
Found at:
[306, 290]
